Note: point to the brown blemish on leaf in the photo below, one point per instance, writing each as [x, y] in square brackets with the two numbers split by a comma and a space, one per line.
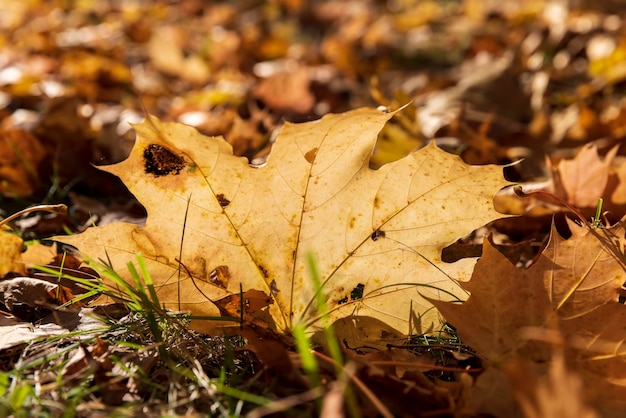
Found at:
[263, 271]
[222, 200]
[220, 276]
[274, 288]
[310, 155]
[378, 234]
[160, 161]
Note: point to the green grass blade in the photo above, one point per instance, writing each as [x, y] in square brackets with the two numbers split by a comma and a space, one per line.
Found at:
[148, 279]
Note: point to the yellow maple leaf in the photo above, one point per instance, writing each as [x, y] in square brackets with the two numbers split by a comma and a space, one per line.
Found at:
[376, 234]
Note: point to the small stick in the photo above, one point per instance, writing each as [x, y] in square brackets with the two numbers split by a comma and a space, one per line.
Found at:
[60, 209]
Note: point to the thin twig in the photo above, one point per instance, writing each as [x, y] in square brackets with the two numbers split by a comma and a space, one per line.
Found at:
[60, 209]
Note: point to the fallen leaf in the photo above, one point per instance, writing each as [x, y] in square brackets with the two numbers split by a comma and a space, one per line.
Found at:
[376, 235]
[571, 288]
[392, 389]
[70, 265]
[272, 349]
[252, 301]
[11, 247]
[571, 278]
[38, 254]
[579, 181]
[26, 292]
[14, 332]
[93, 356]
[618, 192]
[364, 334]
[22, 158]
[287, 91]
[583, 180]
[165, 49]
[491, 395]
[488, 321]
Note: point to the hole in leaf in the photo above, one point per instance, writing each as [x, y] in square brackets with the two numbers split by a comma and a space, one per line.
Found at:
[357, 292]
[220, 276]
[274, 288]
[160, 161]
[378, 234]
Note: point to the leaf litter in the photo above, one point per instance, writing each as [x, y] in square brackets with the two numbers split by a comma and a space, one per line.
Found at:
[495, 84]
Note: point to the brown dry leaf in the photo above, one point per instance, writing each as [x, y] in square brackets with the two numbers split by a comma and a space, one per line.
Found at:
[488, 321]
[556, 395]
[491, 395]
[579, 181]
[573, 286]
[397, 362]
[66, 264]
[365, 334]
[34, 293]
[393, 385]
[586, 273]
[571, 278]
[166, 53]
[92, 356]
[244, 136]
[618, 190]
[598, 357]
[21, 158]
[376, 235]
[583, 180]
[272, 349]
[251, 300]
[95, 360]
[287, 91]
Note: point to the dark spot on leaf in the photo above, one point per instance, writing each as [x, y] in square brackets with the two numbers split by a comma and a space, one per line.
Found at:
[273, 288]
[220, 276]
[310, 155]
[263, 271]
[357, 292]
[342, 301]
[222, 200]
[160, 161]
[378, 234]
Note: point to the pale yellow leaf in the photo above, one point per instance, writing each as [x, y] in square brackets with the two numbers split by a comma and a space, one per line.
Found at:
[376, 235]
[10, 253]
